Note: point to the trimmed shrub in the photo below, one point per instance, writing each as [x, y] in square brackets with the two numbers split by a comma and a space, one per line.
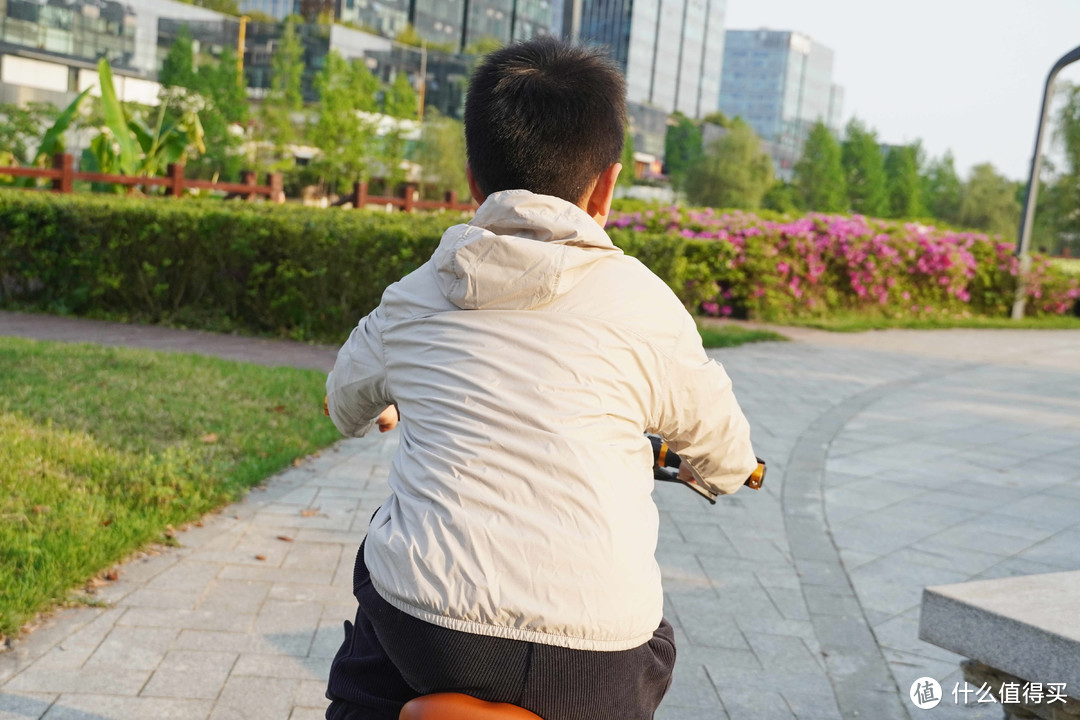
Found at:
[288, 271]
[737, 264]
[312, 274]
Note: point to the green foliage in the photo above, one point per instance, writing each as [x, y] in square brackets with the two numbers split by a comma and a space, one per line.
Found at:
[942, 189]
[819, 174]
[229, 7]
[178, 68]
[626, 177]
[126, 145]
[483, 46]
[104, 448]
[400, 100]
[905, 187]
[409, 36]
[343, 137]
[260, 268]
[20, 128]
[734, 172]
[682, 147]
[286, 90]
[864, 171]
[989, 202]
[782, 197]
[441, 153]
[717, 118]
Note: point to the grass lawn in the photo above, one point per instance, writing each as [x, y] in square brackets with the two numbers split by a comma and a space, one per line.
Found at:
[721, 336]
[854, 323]
[102, 448]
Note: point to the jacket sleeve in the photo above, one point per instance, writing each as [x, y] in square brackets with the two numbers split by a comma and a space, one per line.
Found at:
[356, 389]
[700, 418]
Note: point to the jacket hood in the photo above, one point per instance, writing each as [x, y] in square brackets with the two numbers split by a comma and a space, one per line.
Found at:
[520, 251]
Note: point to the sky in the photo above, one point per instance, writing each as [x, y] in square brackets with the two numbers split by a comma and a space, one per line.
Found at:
[961, 75]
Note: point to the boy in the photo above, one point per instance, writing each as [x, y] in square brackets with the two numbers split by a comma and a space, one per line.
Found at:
[514, 559]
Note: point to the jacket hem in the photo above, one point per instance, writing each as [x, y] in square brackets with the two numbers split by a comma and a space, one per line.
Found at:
[508, 633]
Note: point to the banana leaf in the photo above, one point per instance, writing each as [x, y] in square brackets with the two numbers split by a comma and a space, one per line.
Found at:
[116, 120]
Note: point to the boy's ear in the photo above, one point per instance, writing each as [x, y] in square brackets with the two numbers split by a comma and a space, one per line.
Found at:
[474, 187]
[598, 204]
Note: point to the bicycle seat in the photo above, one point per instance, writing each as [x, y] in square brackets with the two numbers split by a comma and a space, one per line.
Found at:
[455, 706]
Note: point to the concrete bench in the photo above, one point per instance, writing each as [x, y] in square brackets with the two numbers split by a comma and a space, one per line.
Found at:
[1016, 631]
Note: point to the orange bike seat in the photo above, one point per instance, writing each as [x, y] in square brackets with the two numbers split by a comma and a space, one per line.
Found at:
[455, 706]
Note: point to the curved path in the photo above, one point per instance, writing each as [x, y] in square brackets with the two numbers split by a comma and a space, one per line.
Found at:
[897, 460]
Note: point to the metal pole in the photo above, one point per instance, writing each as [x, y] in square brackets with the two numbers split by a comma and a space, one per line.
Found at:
[423, 80]
[1027, 218]
[241, 48]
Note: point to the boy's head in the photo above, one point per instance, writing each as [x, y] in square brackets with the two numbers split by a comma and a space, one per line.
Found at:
[544, 116]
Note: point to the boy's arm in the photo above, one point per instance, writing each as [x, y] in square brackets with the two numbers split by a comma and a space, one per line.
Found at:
[701, 419]
[356, 390]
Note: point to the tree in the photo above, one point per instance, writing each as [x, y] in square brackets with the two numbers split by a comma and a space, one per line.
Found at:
[483, 46]
[864, 171]
[782, 197]
[905, 191]
[1057, 217]
[734, 172]
[229, 7]
[286, 89]
[441, 153]
[682, 147]
[819, 174]
[942, 189]
[989, 202]
[342, 136]
[400, 100]
[20, 128]
[178, 68]
[627, 176]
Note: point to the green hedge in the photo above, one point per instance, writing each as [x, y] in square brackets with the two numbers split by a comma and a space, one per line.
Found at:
[310, 274]
[288, 271]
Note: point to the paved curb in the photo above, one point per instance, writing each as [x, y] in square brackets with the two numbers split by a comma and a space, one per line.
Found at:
[862, 681]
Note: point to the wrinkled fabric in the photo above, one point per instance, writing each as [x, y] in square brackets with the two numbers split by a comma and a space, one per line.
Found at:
[527, 357]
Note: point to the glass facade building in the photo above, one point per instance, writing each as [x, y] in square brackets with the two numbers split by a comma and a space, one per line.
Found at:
[78, 30]
[781, 84]
[278, 9]
[451, 25]
[671, 51]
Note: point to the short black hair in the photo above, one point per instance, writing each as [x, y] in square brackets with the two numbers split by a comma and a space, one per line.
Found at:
[545, 116]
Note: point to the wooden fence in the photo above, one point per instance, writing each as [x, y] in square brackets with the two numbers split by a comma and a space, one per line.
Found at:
[63, 176]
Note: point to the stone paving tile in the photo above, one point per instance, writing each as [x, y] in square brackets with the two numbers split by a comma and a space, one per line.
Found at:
[134, 648]
[97, 707]
[23, 705]
[254, 698]
[190, 674]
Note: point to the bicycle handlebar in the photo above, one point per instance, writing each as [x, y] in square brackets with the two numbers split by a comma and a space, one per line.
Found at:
[666, 463]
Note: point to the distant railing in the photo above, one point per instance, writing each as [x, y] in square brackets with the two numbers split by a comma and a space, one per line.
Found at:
[408, 201]
[63, 176]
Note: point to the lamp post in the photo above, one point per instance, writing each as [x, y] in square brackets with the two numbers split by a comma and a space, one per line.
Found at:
[1028, 216]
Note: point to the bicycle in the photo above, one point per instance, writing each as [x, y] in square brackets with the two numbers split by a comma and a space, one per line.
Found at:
[458, 706]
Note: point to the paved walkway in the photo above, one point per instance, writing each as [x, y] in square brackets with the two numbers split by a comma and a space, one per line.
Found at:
[897, 460]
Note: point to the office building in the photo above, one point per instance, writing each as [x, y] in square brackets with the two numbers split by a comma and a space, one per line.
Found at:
[451, 25]
[671, 51]
[49, 52]
[277, 9]
[781, 84]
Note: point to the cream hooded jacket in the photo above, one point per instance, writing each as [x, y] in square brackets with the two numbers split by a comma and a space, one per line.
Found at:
[527, 357]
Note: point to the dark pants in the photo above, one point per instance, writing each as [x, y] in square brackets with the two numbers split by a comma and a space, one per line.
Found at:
[390, 657]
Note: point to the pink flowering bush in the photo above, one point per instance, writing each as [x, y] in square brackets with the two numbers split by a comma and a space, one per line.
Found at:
[740, 264]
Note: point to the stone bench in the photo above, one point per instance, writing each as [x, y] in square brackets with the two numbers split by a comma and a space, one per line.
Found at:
[1016, 630]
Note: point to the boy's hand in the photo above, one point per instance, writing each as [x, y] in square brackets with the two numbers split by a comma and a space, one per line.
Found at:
[388, 418]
